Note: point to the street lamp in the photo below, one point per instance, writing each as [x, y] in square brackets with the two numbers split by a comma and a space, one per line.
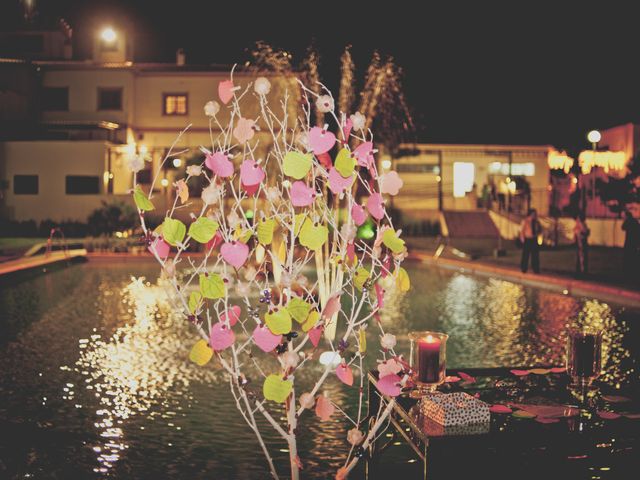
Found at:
[108, 35]
[594, 137]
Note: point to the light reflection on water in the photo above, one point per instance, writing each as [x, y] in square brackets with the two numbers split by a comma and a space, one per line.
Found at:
[116, 378]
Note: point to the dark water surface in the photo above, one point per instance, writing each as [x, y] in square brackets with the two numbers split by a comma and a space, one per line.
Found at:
[95, 380]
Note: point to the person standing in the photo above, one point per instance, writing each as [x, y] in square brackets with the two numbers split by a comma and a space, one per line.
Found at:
[631, 249]
[529, 231]
[581, 235]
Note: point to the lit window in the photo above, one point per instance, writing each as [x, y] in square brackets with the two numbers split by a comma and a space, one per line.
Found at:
[175, 104]
[517, 169]
[463, 178]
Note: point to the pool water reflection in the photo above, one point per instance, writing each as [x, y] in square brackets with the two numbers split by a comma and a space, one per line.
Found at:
[94, 373]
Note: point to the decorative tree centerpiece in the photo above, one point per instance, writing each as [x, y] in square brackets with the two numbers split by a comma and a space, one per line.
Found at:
[284, 275]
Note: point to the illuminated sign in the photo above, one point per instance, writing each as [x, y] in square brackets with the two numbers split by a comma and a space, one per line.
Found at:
[606, 160]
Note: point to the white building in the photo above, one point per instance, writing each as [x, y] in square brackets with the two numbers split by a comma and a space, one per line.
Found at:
[92, 115]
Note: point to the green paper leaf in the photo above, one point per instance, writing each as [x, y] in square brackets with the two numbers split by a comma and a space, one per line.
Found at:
[298, 222]
[391, 241]
[276, 389]
[362, 335]
[201, 353]
[265, 231]
[203, 229]
[194, 301]
[297, 164]
[311, 320]
[173, 231]
[345, 163]
[279, 322]
[402, 280]
[142, 202]
[212, 286]
[361, 276]
[298, 309]
[313, 236]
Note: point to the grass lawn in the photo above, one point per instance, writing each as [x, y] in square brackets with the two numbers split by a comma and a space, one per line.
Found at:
[605, 263]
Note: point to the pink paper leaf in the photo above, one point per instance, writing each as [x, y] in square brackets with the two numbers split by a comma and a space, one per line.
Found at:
[358, 214]
[325, 160]
[264, 339]
[375, 206]
[234, 253]
[466, 377]
[500, 409]
[390, 385]
[379, 295]
[520, 373]
[225, 91]
[321, 141]
[337, 183]
[351, 252]
[324, 408]
[251, 173]
[221, 337]
[363, 154]
[233, 314]
[215, 241]
[219, 164]
[315, 334]
[332, 307]
[389, 367]
[452, 379]
[344, 373]
[546, 420]
[160, 247]
[346, 129]
[251, 189]
[558, 370]
[301, 195]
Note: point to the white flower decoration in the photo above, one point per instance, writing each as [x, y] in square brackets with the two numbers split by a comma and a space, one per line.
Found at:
[290, 359]
[348, 231]
[354, 436]
[135, 163]
[233, 219]
[211, 108]
[324, 103]
[388, 341]
[262, 86]
[243, 289]
[211, 194]
[273, 194]
[358, 121]
[194, 170]
[303, 139]
[307, 400]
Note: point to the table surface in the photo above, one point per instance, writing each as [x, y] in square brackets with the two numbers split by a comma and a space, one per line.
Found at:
[582, 435]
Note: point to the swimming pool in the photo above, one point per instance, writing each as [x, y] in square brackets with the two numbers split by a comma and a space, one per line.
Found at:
[95, 381]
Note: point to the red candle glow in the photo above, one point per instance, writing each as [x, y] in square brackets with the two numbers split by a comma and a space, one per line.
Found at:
[429, 359]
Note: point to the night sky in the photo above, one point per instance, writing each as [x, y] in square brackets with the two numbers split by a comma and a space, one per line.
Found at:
[524, 74]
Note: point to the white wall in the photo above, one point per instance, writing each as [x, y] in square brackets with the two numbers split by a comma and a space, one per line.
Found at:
[52, 161]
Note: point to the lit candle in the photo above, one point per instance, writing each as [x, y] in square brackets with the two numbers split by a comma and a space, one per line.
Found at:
[429, 359]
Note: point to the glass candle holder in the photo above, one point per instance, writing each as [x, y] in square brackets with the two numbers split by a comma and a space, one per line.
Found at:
[428, 360]
[584, 355]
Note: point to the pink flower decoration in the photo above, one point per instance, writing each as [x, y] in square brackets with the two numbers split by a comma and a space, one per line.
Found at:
[321, 141]
[364, 154]
[391, 183]
[251, 173]
[376, 206]
[344, 373]
[390, 385]
[301, 195]
[160, 247]
[358, 214]
[234, 253]
[244, 130]
[264, 339]
[225, 91]
[221, 337]
[219, 164]
[337, 183]
[233, 314]
[315, 334]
